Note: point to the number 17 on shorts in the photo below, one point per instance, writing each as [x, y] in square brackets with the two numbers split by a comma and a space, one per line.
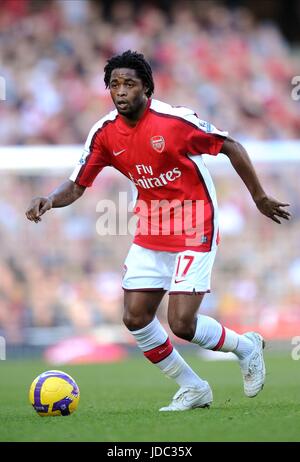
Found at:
[192, 272]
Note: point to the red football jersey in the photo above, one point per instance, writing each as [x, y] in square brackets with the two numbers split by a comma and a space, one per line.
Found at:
[162, 156]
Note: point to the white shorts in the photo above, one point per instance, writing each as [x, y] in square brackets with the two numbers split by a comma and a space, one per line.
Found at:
[178, 272]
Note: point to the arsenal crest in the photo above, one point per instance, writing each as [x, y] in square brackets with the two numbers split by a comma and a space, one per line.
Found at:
[158, 143]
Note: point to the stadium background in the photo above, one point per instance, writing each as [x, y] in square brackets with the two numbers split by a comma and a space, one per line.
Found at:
[232, 62]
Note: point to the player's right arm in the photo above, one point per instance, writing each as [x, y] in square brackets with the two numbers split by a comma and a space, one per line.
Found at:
[64, 195]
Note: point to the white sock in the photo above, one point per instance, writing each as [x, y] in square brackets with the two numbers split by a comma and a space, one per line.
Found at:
[244, 347]
[153, 340]
[211, 335]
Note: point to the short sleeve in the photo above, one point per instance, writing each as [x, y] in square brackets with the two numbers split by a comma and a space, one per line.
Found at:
[203, 137]
[94, 158]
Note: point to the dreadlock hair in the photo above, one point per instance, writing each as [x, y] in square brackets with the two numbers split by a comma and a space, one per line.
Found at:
[131, 60]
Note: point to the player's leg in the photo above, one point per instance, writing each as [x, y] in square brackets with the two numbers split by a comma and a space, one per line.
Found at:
[186, 295]
[140, 307]
[210, 334]
[203, 330]
[147, 276]
[139, 317]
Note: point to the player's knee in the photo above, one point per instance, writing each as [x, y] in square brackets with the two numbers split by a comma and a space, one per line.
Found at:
[134, 321]
[182, 329]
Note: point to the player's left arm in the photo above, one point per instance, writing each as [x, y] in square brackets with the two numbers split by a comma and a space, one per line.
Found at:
[242, 164]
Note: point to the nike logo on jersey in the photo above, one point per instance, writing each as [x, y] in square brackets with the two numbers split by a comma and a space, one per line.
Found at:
[180, 280]
[119, 152]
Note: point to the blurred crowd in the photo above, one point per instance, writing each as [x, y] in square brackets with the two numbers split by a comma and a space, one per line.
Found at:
[63, 273]
[232, 70]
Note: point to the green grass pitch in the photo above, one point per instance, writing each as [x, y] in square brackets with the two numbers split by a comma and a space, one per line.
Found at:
[120, 402]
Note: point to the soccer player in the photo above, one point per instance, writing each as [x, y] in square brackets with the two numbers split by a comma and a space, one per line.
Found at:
[159, 148]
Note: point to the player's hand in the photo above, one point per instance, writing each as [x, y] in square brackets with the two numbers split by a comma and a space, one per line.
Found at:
[38, 206]
[273, 209]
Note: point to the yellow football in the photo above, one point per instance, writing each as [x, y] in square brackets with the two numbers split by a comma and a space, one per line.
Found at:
[54, 393]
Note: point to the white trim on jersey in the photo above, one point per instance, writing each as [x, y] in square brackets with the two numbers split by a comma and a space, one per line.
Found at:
[134, 192]
[186, 114]
[211, 191]
[86, 151]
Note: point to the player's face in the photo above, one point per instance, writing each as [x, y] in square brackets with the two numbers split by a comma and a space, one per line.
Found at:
[127, 91]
